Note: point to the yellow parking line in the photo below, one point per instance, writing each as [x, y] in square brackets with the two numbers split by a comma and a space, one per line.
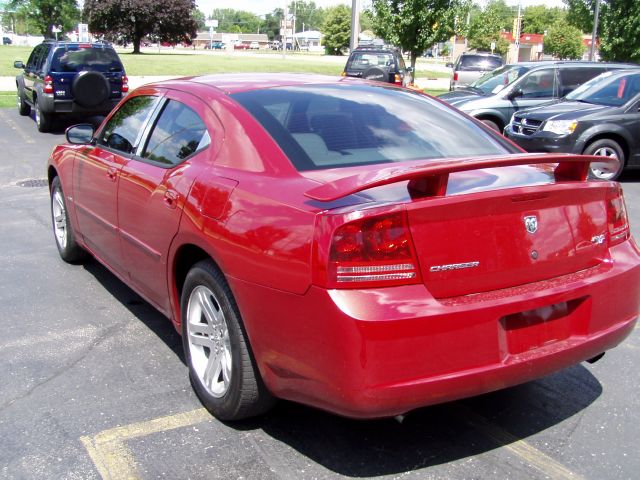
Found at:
[111, 456]
[534, 457]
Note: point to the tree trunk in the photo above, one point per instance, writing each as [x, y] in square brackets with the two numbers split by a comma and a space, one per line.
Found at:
[414, 57]
[136, 44]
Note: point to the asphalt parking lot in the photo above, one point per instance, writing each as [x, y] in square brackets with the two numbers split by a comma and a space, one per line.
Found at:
[94, 385]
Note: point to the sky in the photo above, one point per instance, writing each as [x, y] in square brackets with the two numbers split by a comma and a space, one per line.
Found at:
[261, 7]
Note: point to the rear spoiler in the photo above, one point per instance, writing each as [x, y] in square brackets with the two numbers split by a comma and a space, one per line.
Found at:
[430, 179]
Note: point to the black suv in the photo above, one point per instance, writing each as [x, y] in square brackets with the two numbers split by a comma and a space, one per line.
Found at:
[379, 63]
[70, 78]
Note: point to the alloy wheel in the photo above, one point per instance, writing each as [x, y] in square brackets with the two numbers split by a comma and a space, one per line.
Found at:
[605, 171]
[59, 218]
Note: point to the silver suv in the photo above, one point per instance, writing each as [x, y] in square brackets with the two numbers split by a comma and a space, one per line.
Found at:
[471, 66]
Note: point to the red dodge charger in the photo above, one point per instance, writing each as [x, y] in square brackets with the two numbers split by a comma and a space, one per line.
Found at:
[358, 247]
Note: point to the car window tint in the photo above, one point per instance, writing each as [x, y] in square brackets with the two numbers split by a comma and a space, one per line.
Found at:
[124, 127]
[571, 78]
[371, 59]
[328, 126]
[178, 133]
[494, 81]
[74, 58]
[613, 92]
[539, 84]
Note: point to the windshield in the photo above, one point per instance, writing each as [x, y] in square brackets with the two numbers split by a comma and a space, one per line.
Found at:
[495, 81]
[75, 58]
[479, 62]
[605, 90]
[330, 126]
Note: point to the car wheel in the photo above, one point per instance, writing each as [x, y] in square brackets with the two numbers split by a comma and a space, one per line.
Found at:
[68, 248]
[43, 120]
[605, 148]
[222, 369]
[375, 73]
[491, 124]
[23, 107]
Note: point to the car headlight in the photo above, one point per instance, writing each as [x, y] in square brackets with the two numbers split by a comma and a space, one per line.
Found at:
[560, 127]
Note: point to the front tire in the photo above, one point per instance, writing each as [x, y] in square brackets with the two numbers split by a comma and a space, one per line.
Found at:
[605, 147]
[70, 251]
[222, 369]
[43, 119]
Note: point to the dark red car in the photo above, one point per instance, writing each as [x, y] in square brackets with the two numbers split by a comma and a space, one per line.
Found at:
[354, 246]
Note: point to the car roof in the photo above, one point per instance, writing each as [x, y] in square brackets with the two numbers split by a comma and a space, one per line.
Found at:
[575, 63]
[63, 43]
[231, 83]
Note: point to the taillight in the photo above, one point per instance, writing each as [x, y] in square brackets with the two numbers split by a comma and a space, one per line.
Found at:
[397, 79]
[370, 252]
[48, 84]
[455, 76]
[125, 84]
[617, 220]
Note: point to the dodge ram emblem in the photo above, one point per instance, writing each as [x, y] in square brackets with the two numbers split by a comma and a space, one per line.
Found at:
[531, 224]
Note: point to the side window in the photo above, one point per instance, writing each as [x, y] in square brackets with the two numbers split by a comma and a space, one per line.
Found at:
[178, 133]
[572, 78]
[539, 84]
[37, 58]
[123, 130]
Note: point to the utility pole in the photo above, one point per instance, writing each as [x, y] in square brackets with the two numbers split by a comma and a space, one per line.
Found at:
[355, 23]
[518, 30]
[594, 35]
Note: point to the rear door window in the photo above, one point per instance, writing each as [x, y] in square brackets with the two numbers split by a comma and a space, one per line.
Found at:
[178, 133]
[572, 78]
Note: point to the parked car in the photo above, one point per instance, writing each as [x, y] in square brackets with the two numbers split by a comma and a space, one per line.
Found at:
[217, 45]
[599, 118]
[333, 242]
[70, 78]
[241, 46]
[6, 41]
[254, 46]
[380, 63]
[495, 97]
[469, 67]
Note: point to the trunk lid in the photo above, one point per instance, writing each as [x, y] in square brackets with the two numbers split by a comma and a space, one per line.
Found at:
[492, 240]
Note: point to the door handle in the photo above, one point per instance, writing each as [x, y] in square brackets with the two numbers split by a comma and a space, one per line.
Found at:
[171, 198]
[112, 173]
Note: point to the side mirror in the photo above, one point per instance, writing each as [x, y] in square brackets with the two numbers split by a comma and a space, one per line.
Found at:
[516, 92]
[80, 134]
[449, 65]
[18, 64]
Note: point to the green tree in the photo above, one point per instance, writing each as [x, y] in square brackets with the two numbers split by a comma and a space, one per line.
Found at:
[538, 18]
[308, 15]
[131, 20]
[415, 25]
[619, 23]
[485, 27]
[271, 23]
[619, 32]
[236, 21]
[46, 14]
[199, 18]
[564, 41]
[337, 29]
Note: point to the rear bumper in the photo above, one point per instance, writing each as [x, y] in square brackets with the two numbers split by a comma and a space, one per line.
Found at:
[50, 104]
[383, 352]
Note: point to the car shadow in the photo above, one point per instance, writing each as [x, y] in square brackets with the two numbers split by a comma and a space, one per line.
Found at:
[630, 176]
[61, 123]
[424, 438]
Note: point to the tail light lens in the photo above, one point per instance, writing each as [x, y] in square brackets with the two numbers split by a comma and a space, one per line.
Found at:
[125, 84]
[455, 76]
[617, 220]
[372, 252]
[398, 79]
[48, 84]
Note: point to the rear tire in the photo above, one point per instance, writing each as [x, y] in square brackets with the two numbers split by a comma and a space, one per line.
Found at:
[605, 147]
[24, 108]
[491, 124]
[43, 120]
[377, 74]
[222, 369]
[70, 251]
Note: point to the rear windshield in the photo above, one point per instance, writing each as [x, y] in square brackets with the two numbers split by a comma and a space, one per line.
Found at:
[479, 62]
[332, 126]
[76, 58]
[364, 60]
